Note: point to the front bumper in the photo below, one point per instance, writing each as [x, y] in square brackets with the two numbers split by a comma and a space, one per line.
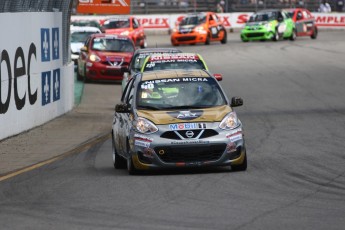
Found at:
[99, 71]
[254, 35]
[188, 38]
[212, 147]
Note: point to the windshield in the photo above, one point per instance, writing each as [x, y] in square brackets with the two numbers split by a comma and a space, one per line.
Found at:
[262, 17]
[174, 64]
[179, 93]
[290, 14]
[112, 45]
[116, 24]
[193, 20]
[80, 36]
[86, 23]
[139, 60]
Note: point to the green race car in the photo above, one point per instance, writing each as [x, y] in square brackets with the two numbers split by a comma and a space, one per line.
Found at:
[269, 25]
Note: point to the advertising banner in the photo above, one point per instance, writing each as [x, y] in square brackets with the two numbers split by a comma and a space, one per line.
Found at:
[32, 76]
[230, 20]
[104, 7]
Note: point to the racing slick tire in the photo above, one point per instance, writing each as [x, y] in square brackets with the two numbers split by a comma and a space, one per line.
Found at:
[275, 36]
[244, 40]
[144, 43]
[118, 161]
[130, 167]
[314, 34]
[241, 167]
[207, 42]
[225, 38]
[293, 35]
[79, 76]
[174, 43]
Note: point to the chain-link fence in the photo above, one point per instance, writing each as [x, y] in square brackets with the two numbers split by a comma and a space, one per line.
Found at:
[64, 6]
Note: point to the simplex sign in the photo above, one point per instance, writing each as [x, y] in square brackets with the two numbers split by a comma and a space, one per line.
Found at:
[104, 6]
[31, 71]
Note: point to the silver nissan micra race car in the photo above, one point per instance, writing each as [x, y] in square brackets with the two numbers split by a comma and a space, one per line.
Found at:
[176, 118]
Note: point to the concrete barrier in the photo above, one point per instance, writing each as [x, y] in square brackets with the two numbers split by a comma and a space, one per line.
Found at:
[35, 86]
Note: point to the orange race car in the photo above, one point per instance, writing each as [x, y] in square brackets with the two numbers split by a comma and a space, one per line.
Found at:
[203, 27]
[126, 25]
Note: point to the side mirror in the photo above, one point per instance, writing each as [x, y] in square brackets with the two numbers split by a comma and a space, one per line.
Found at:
[122, 108]
[83, 49]
[218, 76]
[236, 101]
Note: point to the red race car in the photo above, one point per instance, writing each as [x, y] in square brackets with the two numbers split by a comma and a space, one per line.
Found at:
[105, 57]
[126, 25]
[305, 22]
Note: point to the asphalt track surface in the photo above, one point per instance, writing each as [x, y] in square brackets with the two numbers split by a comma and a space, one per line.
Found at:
[294, 120]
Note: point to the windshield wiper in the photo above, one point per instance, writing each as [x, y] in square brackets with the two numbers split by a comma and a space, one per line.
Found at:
[188, 107]
[148, 107]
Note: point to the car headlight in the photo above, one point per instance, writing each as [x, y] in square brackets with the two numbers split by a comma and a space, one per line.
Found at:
[230, 121]
[200, 30]
[268, 26]
[145, 126]
[94, 58]
[126, 33]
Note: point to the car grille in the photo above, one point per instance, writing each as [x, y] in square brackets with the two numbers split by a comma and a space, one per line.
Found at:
[112, 72]
[176, 154]
[204, 134]
[186, 38]
[252, 35]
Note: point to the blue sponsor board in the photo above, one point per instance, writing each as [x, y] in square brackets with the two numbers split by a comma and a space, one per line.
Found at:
[50, 51]
[45, 44]
[55, 43]
[46, 83]
[56, 84]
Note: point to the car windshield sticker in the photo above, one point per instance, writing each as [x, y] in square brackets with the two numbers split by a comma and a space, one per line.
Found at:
[173, 80]
[186, 115]
[174, 56]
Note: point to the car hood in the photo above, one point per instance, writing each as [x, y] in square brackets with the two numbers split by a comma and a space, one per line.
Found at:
[186, 28]
[75, 47]
[111, 56]
[258, 23]
[162, 117]
[116, 31]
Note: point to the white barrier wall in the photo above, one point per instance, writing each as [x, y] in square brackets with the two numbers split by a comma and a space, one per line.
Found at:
[35, 86]
[165, 22]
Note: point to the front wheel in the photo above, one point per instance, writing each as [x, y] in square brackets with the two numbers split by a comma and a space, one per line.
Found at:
[225, 38]
[293, 35]
[130, 166]
[118, 161]
[144, 43]
[275, 36]
[207, 42]
[314, 34]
